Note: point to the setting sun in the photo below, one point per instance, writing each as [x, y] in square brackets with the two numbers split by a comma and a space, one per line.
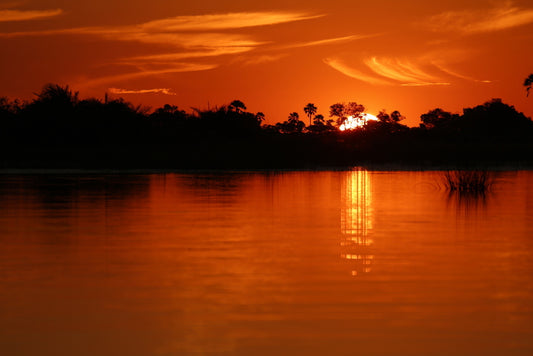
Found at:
[352, 122]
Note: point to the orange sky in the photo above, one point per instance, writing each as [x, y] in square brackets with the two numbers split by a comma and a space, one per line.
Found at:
[275, 56]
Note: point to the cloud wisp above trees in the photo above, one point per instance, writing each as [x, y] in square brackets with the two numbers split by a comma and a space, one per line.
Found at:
[391, 71]
[183, 43]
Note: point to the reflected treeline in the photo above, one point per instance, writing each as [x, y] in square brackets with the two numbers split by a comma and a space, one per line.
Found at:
[59, 130]
[219, 187]
[357, 221]
[62, 191]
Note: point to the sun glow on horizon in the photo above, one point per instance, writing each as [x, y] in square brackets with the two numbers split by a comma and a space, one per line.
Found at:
[352, 123]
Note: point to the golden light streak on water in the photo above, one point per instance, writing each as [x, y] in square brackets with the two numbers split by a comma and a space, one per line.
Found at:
[357, 220]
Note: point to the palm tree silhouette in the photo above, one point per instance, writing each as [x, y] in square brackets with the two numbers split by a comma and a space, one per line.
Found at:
[310, 110]
[294, 117]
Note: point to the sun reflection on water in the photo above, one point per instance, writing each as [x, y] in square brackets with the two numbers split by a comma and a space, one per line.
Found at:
[357, 221]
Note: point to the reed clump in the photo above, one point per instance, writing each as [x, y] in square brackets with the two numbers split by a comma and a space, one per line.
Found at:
[468, 181]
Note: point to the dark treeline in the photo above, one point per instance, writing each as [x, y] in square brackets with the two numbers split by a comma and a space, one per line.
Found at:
[59, 130]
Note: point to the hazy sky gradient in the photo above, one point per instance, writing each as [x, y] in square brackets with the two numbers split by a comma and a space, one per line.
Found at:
[275, 56]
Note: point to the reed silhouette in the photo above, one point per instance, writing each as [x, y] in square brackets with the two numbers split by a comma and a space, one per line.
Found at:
[473, 182]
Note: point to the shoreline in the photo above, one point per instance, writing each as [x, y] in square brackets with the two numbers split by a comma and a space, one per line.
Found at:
[372, 167]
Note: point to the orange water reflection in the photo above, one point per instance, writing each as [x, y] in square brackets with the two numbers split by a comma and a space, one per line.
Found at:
[357, 221]
[250, 264]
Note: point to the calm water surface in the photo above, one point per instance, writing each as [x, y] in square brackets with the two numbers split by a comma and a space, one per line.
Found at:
[344, 263]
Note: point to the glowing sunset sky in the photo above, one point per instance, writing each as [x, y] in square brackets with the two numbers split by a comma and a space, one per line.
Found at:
[275, 56]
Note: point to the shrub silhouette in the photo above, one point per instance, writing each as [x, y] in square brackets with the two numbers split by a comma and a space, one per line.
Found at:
[58, 129]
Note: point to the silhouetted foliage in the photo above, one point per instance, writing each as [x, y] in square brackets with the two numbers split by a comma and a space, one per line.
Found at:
[319, 120]
[168, 112]
[437, 118]
[237, 105]
[386, 124]
[8, 109]
[320, 125]
[292, 125]
[494, 119]
[528, 82]
[57, 129]
[260, 117]
[337, 110]
[394, 117]
[353, 109]
[342, 110]
[56, 95]
[310, 110]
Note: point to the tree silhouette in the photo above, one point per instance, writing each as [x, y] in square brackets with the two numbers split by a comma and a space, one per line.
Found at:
[260, 117]
[319, 125]
[396, 116]
[168, 112]
[436, 118]
[56, 129]
[343, 110]
[55, 94]
[319, 120]
[353, 109]
[8, 108]
[384, 117]
[337, 110]
[292, 125]
[528, 83]
[310, 110]
[237, 106]
[393, 118]
[494, 119]
[294, 117]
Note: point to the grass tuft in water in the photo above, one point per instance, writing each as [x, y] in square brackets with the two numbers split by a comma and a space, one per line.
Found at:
[468, 181]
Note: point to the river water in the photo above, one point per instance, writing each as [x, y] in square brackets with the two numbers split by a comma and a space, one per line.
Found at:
[329, 262]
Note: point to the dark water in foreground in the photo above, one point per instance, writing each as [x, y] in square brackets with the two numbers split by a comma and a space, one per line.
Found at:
[344, 263]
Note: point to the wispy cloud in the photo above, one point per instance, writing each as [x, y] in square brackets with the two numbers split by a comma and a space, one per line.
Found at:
[456, 74]
[192, 39]
[342, 67]
[503, 17]
[265, 58]
[20, 15]
[176, 30]
[133, 34]
[327, 41]
[424, 84]
[145, 72]
[178, 56]
[394, 71]
[184, 37]
[406, 72]
[210, 22]
[165, 91]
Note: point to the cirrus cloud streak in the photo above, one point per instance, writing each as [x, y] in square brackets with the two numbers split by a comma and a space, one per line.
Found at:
[179, 38]
[210, 22]
[20, 15]
[345, 69]
[503, 17]
[397, 71]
